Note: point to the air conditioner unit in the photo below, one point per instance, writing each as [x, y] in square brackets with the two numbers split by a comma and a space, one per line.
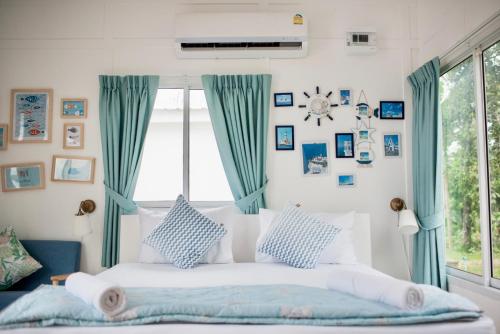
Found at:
[361, 41]
[240, 35]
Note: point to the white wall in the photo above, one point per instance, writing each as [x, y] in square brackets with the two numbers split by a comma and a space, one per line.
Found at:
[66, 44]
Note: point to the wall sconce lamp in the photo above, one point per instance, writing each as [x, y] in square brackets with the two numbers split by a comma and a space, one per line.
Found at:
[81, 223]
[407, 222]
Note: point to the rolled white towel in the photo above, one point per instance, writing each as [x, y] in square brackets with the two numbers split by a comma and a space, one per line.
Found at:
[110, 299]
[380, 288]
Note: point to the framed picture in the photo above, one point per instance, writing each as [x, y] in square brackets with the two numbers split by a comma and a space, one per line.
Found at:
[392, 110]
[4, 136]
[315, 158]
[344, 145]
[31, 115]
[74, 108]
[284, 138]
[345, 97]
[392, 145]
[283, 99]
[73, 137]
[23, 176]
[346, 180]
[66, 168]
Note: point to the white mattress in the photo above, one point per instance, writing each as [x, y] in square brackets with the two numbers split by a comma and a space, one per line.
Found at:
[161, 275]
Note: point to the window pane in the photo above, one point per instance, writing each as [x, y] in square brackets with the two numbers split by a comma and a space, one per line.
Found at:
[491, 58]
[207, 180]
[160, 177]
[461, 176]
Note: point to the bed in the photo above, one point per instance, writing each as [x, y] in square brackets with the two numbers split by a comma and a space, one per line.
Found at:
[244, 272]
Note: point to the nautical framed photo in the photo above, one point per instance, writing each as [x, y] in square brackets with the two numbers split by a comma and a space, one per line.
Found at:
[4, 136]
[392, 145]
[346, 180]
[344, 145]
[73, 136]
[23, 176]
[315, 160]
[345, 97]
[67, 168]
[74, 108]
[392, 110]
[283, 99]
[31, 115]
[285, 140]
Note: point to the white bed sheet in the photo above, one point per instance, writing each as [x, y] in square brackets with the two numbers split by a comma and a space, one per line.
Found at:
[164, 275]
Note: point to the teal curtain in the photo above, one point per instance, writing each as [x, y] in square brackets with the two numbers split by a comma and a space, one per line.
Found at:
[428, 244]
[125, 107]
[239, 110]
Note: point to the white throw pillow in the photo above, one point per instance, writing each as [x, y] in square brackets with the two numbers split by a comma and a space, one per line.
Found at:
[221, 252]
[341, 251]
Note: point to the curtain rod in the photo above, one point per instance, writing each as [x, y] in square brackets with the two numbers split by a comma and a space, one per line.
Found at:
[470, 35]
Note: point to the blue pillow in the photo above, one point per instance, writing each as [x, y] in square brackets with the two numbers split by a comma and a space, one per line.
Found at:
[297, 238]
[184, 235]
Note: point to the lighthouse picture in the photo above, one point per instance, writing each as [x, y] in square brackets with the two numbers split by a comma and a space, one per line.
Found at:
[392, 145]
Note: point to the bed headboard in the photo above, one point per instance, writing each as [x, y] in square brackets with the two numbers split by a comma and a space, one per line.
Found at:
[246, 231]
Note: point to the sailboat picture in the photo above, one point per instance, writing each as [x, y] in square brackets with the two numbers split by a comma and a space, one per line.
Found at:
[284, 138]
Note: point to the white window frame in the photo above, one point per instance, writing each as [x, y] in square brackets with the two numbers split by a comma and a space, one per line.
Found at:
[186, 83]
[474, 45]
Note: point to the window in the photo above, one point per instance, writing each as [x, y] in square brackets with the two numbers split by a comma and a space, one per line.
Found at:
[180, 152]
[460, 167]
[470, 108]
[491, 66]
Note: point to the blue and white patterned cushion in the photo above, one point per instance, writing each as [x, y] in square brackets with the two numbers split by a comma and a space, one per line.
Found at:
[297, 238]
[185, 235]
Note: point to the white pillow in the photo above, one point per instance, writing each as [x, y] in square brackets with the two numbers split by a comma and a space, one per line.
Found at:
[221, 252]
[341, 251]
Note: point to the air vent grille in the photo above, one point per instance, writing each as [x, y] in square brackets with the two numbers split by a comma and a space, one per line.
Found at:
[242, 46]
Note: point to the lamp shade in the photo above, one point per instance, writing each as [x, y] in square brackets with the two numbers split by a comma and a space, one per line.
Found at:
[407, 222]
[81, 226]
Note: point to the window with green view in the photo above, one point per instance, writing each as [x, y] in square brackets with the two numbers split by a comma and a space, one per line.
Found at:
[460, 167]
[491, 68]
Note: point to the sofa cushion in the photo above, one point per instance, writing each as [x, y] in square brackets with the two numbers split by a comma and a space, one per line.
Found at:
[8, 297]
[57, 257]
[15, 262]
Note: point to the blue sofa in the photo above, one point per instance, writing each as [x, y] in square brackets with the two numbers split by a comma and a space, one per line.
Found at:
[56, 257]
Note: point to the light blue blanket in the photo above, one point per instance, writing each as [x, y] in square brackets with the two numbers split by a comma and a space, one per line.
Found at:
[260, 304]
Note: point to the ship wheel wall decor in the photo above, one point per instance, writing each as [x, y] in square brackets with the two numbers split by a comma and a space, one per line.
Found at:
[318, 106]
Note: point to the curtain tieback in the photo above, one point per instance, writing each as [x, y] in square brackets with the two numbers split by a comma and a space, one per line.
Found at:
[430, 222]
[124, 203]
[245, 202]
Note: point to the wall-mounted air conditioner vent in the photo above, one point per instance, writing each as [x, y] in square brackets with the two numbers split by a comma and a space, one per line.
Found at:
[361, 41]
[241, 35]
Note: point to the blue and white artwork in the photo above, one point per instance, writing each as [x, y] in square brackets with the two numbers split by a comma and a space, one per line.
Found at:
[23, 177]
[345, 97]
[345, 180]
[392, 110]
[392, 145]
[74, 108]
[283, 99]
[31, 115]
[344, 145]
[284, 138]
[315, 158]
[73, 169]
